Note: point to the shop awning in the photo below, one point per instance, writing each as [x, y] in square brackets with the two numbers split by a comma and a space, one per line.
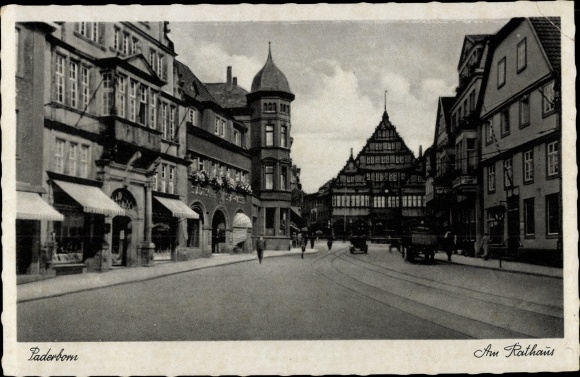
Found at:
[242, 221]
[177, 208]
[30, 206]
[91, 198]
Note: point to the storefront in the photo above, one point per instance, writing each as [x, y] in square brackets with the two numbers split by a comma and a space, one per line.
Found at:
[82, 235]
[169, 230]
[31, 256]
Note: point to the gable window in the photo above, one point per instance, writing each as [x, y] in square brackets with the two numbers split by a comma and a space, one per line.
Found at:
[529, 166]
[552, 159]
[283, 137]
[524, 111]
[529, 218]
[504, 117]
[548, 98]
[522, 55]
[491, 178]
[508, 169]
[501, 73]
[269, 135]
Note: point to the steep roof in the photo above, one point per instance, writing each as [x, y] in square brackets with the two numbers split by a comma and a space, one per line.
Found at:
[270, 78]
[548, 31]
[191, 85]
[228, 95]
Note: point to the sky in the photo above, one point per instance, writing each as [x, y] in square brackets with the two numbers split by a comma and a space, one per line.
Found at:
[339, 71]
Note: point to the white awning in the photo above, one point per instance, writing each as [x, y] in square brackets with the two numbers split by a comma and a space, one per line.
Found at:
[239, 235]
[242, 221]
[177, 208]
[30, 206]
[91, 198]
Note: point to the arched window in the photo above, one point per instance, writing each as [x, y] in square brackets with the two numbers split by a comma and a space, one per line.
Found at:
[269, 107]
[265, 107]
[274, 107]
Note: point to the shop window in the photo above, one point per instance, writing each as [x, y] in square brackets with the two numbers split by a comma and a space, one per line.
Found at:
[553, 214]
[283, 219]
[270, 217]
[529, 218]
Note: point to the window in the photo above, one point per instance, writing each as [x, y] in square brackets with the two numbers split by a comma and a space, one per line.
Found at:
[164, 120]
[548, 98]
[135, 47]
[283, 136]
[283, 213]
[161, 67]
[142, 112]
[501, 73]
[84, 162]
[270, 215]
[216, 129]
[172, 119]
[153, 110]
[171, 180]
[191, 115]
[153, 59]
[60, 62]
[522, 55]
[223, 128]
[553, 214]
[491, 178]
[269, 135]
[269, 170]
[528, 166]
[59, 156]
[121, 96]
[73, 83]
[126, 40]
[72, 159]
[508, 173]
[107, 93]
[163, 184]
[117, 39]
[283, 178]
[84, 87]
[155, 183]
[524, 111]
[552, 159]
[504, 117]
[237, 138]
[489, 131]
[529, 218]
[132, 100]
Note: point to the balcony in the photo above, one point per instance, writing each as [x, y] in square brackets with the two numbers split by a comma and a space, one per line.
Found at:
[132, 133]
[465, 182]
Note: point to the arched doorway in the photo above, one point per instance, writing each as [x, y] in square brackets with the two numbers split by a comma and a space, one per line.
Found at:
[195, 228]
[218, 231]
[122, 228]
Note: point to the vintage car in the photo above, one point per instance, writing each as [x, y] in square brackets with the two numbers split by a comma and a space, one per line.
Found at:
[420, 240]
[358, 243]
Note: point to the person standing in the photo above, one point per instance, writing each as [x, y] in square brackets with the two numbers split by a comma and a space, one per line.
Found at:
[312, 239]
[485, 246]
[260, 246]
[449, 242]
[329, 242]
[303, 243]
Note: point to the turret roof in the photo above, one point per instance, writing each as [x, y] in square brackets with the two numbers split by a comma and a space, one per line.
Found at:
[270, 78]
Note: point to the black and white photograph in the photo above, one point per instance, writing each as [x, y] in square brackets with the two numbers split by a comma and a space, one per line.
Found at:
[289, 189]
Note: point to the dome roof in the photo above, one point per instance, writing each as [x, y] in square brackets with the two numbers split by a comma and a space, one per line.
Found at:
[270, 78]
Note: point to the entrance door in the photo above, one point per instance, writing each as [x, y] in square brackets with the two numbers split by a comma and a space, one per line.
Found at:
[122, 232]
[218, 231]
[25, 230]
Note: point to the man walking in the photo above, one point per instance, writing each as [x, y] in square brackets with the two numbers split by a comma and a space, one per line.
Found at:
[260, 245]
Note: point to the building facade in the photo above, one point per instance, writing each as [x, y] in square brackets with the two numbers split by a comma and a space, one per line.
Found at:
[114, 145]
[381, 191]
[521, 131]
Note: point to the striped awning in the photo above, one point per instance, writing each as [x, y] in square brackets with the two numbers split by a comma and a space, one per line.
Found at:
[91, 198]
[177, 208]
[242, 221]
[30, 206]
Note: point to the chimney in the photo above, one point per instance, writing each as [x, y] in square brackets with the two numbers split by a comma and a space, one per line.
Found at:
[229, 79]
[235, 81]
[350, 152]
[420, 151]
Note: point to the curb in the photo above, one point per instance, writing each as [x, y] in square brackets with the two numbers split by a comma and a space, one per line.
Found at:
[502, 269]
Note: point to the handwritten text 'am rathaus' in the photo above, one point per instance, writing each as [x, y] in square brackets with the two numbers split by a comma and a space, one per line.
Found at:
[516, 350]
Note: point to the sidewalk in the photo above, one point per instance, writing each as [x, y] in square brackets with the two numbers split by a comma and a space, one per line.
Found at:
[62, 285]
[493, 264]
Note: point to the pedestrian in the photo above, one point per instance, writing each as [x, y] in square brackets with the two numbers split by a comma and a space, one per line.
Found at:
[294, 244]
[448, 241]
[303, 246]
[312, 239]
[485, 246]
[329, 242]
[260, 246]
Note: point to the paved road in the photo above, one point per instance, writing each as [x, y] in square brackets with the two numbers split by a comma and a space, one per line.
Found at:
[325, 296]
